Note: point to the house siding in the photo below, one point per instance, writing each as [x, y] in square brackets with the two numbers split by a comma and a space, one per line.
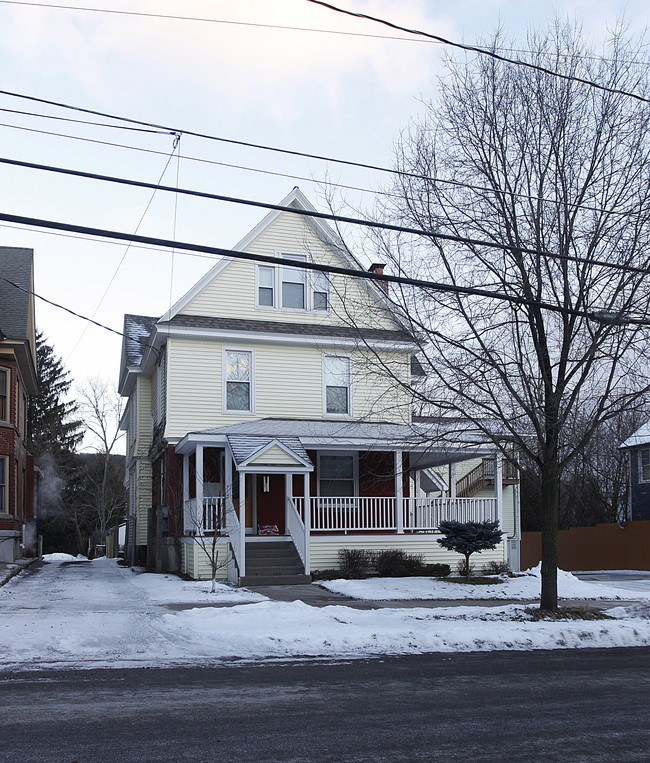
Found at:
[639, 491]
[289, 233]
[288, 383]
[324, 552]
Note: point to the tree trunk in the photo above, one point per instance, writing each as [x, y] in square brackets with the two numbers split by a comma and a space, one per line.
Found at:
[549, 511]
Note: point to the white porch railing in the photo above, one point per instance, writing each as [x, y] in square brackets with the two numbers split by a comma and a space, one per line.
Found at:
[428, 513]
[233, 530]
[206, 516]
[296, 527]
[419, 514]
[352, 514]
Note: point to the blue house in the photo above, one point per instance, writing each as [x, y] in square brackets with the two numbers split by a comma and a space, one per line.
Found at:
[638, 449]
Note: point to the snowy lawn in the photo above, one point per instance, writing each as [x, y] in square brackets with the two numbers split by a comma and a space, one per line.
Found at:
[522, 588]
[98, 614]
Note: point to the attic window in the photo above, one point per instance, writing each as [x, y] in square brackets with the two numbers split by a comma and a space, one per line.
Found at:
[293, 283]
[266, 286]
[320, 291]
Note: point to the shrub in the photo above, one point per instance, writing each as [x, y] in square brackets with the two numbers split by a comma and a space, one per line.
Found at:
[437, 570]
[355, 562]
[329, 574]
[496, 568]
[396, 563]
[468, 538]
[465, 569]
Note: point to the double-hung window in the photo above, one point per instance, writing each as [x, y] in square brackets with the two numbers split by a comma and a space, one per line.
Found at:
[337, 475]
[320, 290]
[293, 287]
[644, 465]
[4, 506]
[4, 394]
[238, 380]
[265, 286]
[338, 386]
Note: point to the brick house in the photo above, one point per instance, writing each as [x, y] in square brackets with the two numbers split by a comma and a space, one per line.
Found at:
[18, 381]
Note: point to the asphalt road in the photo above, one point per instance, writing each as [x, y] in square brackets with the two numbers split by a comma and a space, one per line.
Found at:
[584, 705]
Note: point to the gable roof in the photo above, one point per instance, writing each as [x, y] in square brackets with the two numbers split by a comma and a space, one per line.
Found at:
[137, 333]
[640, 437]
[323, 231]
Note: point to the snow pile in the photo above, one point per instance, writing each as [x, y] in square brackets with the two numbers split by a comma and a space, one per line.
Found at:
[59, 557]
[170, 589]
[526, 587]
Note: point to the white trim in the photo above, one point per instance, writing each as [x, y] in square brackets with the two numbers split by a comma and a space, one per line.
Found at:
[640, 466]
[224, 367]
[350, 412]
[7, 418]
[264, 337]
[4, 489]
[264, 448]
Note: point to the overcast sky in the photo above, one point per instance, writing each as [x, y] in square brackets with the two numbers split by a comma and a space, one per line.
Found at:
[336, 95]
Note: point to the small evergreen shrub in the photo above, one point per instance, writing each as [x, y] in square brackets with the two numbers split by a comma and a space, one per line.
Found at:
[355, 562]
[468, 538]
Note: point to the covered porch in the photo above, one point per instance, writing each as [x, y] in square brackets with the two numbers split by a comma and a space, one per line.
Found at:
[273, 486]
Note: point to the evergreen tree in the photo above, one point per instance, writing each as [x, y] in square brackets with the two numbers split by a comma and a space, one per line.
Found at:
[53, 426]
[466, 538]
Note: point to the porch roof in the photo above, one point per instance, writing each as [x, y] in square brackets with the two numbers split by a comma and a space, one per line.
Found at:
[436, 442]
[254, 451]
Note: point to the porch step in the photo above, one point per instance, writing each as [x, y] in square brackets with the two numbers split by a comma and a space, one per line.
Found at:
[255, 580]
[273, 563]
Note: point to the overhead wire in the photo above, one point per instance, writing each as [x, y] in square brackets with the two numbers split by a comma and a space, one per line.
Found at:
[483, 51]
[322, 215]
[600, 316]
[126, 250]
[259, 146]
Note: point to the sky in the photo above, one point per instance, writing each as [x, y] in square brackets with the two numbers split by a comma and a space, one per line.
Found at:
[237, 77]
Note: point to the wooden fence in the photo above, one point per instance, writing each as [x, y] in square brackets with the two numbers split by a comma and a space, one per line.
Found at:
[602, 547]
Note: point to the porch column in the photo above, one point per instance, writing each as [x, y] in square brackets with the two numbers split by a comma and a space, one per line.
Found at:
[452, 479]
[417, 511]
[399, 492]
[498, 486]
[199, 476]
[288, 490]
[242, 522]
[186, 488]
[307, 520]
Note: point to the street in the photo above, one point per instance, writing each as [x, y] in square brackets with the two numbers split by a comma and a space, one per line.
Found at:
[561, 705]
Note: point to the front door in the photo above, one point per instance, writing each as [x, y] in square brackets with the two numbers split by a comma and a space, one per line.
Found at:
[271, 500]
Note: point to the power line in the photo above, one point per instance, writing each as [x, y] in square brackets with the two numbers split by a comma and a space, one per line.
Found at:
[284, 27]
[482, 51]
[76, 315]
[600, 316]
[85, 122]
[323, 215]
[161, 129]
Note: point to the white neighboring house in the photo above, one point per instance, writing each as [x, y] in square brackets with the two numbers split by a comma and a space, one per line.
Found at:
[261, 403]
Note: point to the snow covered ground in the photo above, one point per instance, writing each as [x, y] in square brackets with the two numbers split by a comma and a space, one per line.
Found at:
[522, 588]
[75, 613]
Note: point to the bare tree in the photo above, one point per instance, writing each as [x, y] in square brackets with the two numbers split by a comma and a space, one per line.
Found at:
[101, 407]
[209, 521]
[559, 173]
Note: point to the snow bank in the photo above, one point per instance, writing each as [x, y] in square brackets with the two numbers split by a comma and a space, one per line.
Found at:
[172, 590]
[58, 557]
[526, 587]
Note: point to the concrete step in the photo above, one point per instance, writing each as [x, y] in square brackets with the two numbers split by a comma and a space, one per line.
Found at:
[279, 565]
[254, 580]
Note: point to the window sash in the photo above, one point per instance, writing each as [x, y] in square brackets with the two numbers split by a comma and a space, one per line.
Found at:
[337, 384]
[320, 291]
[4, 395]
[4, 508]
[644, 465]
[265, 286]
[293, 283]
[337, 475]
[238, 380]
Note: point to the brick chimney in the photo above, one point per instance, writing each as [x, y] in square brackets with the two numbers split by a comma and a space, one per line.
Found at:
[378, 268]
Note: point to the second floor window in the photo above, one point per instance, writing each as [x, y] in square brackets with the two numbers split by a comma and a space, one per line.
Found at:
[4, 395]
[337, 384]
[238, 380]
